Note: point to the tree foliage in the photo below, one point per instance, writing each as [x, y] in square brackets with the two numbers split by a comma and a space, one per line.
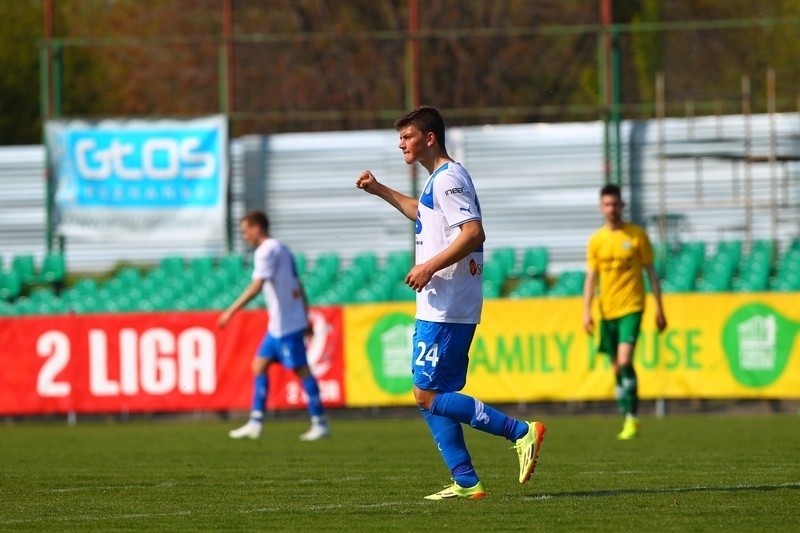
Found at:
[304, 65]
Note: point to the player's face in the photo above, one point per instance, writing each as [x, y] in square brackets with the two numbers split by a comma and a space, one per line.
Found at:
[413, 143]
[611, 206]
[250, 233]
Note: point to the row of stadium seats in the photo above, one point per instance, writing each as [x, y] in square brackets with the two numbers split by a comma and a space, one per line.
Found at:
[210, 283]
[23, 274]
[690, 268]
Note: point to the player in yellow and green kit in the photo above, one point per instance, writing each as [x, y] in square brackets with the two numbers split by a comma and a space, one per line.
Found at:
[616, 256]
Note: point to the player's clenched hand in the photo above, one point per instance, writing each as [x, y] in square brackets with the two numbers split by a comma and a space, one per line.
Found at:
[418, 277]
[367, 182]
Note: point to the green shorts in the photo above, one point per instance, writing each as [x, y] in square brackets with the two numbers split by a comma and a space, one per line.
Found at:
[622, 330]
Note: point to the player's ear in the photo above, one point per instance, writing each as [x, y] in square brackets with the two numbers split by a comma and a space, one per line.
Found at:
[430, 139]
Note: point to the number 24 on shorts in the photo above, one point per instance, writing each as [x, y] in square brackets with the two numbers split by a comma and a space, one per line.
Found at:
[431, 355]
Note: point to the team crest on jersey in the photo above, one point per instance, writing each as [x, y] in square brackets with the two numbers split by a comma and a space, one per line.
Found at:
[474, 268]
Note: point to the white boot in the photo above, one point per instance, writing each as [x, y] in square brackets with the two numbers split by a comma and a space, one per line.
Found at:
[251, 430]
[319, 429]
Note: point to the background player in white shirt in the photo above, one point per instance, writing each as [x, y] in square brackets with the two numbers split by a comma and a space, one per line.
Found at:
[275, 274]
[448, 279]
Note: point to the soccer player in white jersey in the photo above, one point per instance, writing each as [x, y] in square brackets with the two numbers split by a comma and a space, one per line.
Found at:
[447, 278]
[275, 274]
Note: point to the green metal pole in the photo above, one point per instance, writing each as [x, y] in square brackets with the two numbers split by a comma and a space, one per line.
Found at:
[412, 88]
[224, 100]
[58, 79]
[58, 96]
[44, 106]
[602, 79]
[226, 95]
[616, 101]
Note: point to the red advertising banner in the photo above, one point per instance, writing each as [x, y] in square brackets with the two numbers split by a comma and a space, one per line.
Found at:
[154, 362]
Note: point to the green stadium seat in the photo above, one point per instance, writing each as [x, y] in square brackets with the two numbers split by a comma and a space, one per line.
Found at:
[398, 263]
[660, 254]
[491, 289]
[173, 266]
[301, 264]
[679, 282]
[233, 266]
[788, 282]
[717, 273]
[326, 267]
[7, 309]
[25, 306]
[534, 262]
[732, 248]
[505, 258]
[364, 265]
[129, 276]
[42, 294]
[494, 273]
[86, 286]
[696, 250]
[528, 288]
[10, 285]
[403, 293]
[381, 291]
[53, 269]
[202, 266]
[569, 283]
[25, 268]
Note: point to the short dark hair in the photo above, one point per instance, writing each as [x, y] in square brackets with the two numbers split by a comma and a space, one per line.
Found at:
[611, 190]
[257, 218]
[427, 119]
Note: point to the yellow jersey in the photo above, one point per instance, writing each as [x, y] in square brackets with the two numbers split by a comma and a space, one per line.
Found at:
[618, 257]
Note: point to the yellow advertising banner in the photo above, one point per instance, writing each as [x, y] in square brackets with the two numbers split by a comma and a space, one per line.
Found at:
[716, 346]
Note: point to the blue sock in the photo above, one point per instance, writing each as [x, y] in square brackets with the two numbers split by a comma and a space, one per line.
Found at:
[260, 387]
[312, 390]
[449, 439]
[469, 410]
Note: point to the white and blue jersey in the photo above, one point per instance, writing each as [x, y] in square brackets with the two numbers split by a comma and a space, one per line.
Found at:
[455, 293]
[274, 263]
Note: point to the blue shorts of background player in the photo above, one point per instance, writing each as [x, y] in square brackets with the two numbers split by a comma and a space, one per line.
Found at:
[289, 350]
[439, 365]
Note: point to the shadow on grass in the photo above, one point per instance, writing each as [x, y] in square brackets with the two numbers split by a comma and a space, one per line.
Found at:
[668, 490]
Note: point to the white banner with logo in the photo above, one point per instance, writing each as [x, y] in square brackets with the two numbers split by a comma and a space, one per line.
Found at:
[140, 179]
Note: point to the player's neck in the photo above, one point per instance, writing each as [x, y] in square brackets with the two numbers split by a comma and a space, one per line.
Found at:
[435, 162]
[615, 225]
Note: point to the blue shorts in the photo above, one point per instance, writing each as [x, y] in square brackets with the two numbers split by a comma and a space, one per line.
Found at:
[289, 350]
[441, 355]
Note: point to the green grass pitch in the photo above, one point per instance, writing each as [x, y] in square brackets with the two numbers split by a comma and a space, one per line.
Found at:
[685, 473]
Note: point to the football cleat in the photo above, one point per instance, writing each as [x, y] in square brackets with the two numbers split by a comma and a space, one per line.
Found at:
[528, 448]
[457, 491]
[630, 428]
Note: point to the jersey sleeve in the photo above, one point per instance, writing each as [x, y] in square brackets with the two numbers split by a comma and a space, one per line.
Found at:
[264, 262]
[457, 199]
[591, 254]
